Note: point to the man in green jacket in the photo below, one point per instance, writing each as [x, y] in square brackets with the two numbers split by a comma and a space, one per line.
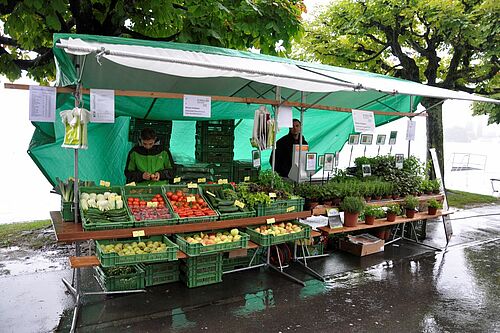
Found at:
[148, 163]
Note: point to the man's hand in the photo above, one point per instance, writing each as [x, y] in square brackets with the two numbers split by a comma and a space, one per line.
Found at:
[146, 176]
[155, 176]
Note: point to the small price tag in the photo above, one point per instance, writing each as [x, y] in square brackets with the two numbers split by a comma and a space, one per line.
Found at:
[222, 181]
[192, 185]
[104, 183]
[131, 184]
[151, 204]
[271, 220]
[177, 180]
[190, 199]
[272, 195]
[246, 179]
[138, 233]
[210, 193]
[239, 204]
[202, 180]
[290, 209]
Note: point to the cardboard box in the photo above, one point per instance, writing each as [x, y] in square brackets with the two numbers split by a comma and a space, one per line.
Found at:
[238, 253]
[362, 245]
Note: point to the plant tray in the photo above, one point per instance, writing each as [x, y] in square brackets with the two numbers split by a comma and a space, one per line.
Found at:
[202, 279]
[185, 189]
[281, 207]
[147, 193]
[268, 240]
[113, 259]
[67, 211]
[193, 250]
[132, 281]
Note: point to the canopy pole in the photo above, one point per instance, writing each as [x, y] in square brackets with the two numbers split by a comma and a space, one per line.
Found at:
[411, 110]
[276, 108]
[302, 98]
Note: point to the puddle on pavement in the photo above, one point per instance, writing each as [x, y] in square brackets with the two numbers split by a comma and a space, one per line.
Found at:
[17, 261]
[256, 302]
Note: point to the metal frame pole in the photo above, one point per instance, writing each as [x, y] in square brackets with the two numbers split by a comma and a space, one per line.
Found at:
[302, 98]
[278, 98]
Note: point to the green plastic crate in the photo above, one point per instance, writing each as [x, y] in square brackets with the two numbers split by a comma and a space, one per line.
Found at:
[202, 264]
[147, 193]
[161, 273]
[198, 249]
[161, 267]
[215, 141]
[113, 259]
[227, 216]
[199, 280]
[67, 211]
[267, 240]
[206, 156]
[132, 281]
[242, 169]
[229, 264]
[280, 207]
[185, 189]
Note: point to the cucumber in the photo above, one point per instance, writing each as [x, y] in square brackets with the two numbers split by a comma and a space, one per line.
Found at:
[228, 209]
[226, 203]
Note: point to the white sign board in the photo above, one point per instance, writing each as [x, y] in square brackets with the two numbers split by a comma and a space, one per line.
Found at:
[42, 104]
[410, 130]
[364, 121]
[102, 106]
[197, 106]
[328, 162]
[285, 118]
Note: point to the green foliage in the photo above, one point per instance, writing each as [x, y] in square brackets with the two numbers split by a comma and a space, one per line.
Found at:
[460, 199]
[433, 203]
[411, 202]
[376, 211]
[492, 110]
[251, 195]
[393, 208]
[271, 179]
[352, 204]
[239, 24]
[309, 191]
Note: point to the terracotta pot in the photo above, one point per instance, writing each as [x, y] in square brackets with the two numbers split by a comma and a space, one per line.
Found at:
[379, 197]
[428, 192]
[387, 197]
[395, 196]
[327, 202]
[370, 220]
[311, 204]
[391, 217]
[432, 210]
[436, 191]
[410, 213]
[350, 219]
[368, 199]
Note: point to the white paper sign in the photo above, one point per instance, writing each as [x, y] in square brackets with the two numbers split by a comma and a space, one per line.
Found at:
[256, 158]
[329, 160]
[285, 117]
[102, 106]
[42, 104]
[399, 161]
[197, 106]
[364, 121]
[311, 161]
[410, 130]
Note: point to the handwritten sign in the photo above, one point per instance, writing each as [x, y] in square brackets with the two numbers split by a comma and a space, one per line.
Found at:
[177, 180]
[290, 209]
[202, 180]
[246, 179]
[190, 199]
[104, 183]
[222, 181]
[192, 185]
[239, 204]
[272, 195]
[138, 233]
[271, 220]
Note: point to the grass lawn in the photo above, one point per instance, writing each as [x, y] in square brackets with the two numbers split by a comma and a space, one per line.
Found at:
[12, 233]
[460, 199]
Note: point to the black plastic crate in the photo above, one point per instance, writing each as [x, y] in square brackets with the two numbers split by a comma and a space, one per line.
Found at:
[163, 129]
[242, 169]
[215, 157]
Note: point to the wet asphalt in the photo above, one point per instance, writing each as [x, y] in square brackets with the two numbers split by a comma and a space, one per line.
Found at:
[407, 288]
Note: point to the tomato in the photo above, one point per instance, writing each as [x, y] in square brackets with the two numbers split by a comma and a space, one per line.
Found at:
[169, 194]
[179, 193]
[174, 197]
[154, 200]
[200, 201]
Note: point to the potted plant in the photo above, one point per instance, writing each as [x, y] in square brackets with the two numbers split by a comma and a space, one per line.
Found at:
[435, 186]
[378, 190]
[387, 190]
[432, 206]
[410, 204]
[371, 213]
[392, 210]
[311, 193]
[426, 186]
[352, 206]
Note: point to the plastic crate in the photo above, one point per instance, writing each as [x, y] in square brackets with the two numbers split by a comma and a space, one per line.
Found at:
[147, 193]
[210, 149]
[228, 264]
[198, 249]
[227, 216]
[280, 207]
[242, 169]
[206, 156]
[161, 273]
[67, 211]
[199, 280]
[267, 240]
[215, 140]
[202, 264]
[113, 259]
[163, 129]
[132, 281]
[185, 189]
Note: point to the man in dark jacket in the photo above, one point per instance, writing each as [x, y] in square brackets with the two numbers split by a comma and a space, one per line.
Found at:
[148, 163]
[284, 149]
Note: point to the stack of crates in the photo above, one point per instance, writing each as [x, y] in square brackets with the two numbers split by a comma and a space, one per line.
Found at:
[244, 169]
[229, 264]
[163, 129]
[160, 273]
[215, 145]
[201, 270]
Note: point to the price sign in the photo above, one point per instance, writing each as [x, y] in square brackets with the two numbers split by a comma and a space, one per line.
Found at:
[104, 183]
[190, 199]
[192, 185]
[271, 220]
[246, 179]
[272, 195]
[131, 184]
[290, 209]
[177, 180]
[210, 193]
[138, 233]
[202, 180]
[222, 181]
[152, 204]
[239, 204]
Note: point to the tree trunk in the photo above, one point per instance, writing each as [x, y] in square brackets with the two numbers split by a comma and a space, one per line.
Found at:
[435, 132]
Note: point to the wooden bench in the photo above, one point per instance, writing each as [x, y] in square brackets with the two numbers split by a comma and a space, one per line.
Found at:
[91, 261]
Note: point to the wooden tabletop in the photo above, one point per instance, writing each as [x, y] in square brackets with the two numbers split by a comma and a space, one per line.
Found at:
[383, 223]
[67, 232]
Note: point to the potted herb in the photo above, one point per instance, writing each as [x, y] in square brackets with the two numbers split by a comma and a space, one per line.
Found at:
[426, 186]
[410, 204]
[392, 210]
[432, 206]
[387, 190]
[371, 213]
[435, 186]
[352, 206]
[311, 193]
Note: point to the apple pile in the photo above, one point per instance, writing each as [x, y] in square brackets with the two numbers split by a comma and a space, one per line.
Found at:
[130, 249]
[153, 209]
[214, 238]
[278, 229]
[189, 205]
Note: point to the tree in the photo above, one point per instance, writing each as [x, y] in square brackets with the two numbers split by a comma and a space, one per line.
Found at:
[452, 44]
[26, 37]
